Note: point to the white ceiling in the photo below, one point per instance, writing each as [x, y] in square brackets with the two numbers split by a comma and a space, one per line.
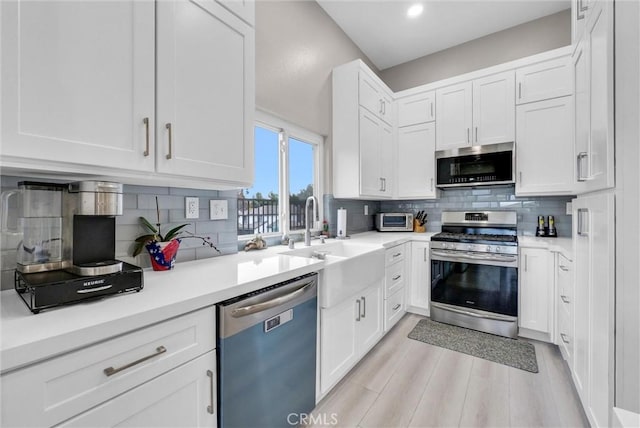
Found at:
[383, 32]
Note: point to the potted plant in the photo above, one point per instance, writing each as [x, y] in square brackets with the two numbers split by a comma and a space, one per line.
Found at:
[164, 248]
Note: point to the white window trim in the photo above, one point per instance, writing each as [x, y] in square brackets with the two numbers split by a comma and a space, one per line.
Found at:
[289, 130]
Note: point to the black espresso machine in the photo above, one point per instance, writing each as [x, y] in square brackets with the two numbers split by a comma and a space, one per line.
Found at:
[88, 267]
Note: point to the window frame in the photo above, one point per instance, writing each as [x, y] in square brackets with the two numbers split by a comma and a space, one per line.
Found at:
[285, 131]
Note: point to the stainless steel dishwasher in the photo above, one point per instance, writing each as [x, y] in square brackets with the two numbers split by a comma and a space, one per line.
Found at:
[267, 355]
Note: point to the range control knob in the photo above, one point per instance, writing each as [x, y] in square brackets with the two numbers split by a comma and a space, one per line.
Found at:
[497, 249]
[489, 248]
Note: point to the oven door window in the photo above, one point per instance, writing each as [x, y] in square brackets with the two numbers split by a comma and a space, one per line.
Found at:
[485, 167]
[478, 286]
[394, 221]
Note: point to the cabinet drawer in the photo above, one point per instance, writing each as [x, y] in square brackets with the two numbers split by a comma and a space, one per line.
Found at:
[565, 279]
[47, 393]
[565, 333]
[394, 255]
[394, 278]
[394, 308]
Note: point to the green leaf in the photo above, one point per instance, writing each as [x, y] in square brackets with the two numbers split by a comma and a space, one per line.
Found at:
[146, 238]
[173, 232]
[148, 225]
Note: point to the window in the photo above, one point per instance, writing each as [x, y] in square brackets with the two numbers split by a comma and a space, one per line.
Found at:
[287, 171]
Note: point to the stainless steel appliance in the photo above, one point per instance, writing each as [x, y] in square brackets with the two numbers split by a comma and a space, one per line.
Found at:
[394, 222]
[267, 355]
[476, 166]
[474, 271]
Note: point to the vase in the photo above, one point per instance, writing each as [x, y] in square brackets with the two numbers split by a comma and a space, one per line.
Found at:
[163, 254]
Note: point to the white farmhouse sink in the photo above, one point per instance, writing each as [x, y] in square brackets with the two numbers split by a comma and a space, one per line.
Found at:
[349, 268]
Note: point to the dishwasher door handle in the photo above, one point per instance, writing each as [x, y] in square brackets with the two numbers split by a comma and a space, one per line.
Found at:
[263, 306]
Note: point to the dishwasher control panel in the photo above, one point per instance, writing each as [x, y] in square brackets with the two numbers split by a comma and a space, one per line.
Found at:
[278, 320]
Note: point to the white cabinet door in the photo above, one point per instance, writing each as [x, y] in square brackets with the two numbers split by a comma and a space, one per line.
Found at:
[338, 341]
[77, 83]
[536, 287]
[581, 95]
[581, 308]
[387, 168]
[545, 80]
[416, 161]
[185, 396]
[205, 71]
[374, 98]
[371, 131]
[454, 112]
[420, 290]
[544, 154]
[494, 109]
[416, 109]
[369, 327]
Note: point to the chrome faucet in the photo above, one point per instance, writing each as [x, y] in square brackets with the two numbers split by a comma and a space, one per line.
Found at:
[307, 222]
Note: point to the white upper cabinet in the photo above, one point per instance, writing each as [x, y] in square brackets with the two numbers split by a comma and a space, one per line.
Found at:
[454, 112]
[416, 162]
[416, 109]
[205, 91]
[545, 147]
[375, 98]
[593, 71]
[493, 109]
[127, 88]
[477, 112]
[78, 83]
[544, 80]
[376, 152]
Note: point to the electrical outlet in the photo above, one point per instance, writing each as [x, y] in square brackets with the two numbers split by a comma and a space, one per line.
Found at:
[569, 208]
[366, 210]
[218, 209]
[191, 207]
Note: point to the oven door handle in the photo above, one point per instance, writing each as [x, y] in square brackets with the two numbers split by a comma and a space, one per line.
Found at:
[494, 317]
[472, 256]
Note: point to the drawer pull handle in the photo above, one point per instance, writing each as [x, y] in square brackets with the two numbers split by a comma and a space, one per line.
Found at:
[563, 268]
[146, 127]
[396, 307]
[397, 277]
[364, 307]
[397, 255]
[210, 406]
[564, 299]
[170, 129]
[111, 371]
[564, 338]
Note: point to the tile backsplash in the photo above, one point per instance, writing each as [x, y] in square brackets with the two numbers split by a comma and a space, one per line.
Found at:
[140, 201]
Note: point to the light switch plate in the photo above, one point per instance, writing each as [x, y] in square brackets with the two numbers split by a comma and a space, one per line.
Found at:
[218, 209]
[366, 210]
[569, 208]
[191, 207]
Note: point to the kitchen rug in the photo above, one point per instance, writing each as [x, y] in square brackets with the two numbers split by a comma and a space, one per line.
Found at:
[510, 352]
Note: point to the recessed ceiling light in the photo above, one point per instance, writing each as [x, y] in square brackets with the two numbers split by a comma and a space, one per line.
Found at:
[415, 10]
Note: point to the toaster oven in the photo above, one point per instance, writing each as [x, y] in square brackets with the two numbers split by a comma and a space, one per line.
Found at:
[394, 222]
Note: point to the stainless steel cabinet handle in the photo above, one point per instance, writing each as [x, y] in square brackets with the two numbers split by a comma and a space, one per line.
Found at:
[432, 184]
[381, 185]
[519, 90]
[396, 307]
[359, 309]
[364, 307]
[425, 254]
[210, 406]
[263, 306]
[581, 156]
[146, 128]
[581, 6]
[384, 107]
[397, 277]
[526, 264]
[565, 299]
[476, 134]
[168, 126]
[109, 371]
[582, 230]
[520, 177]
[468, 140]
[380, 108]
[564, 338]
[432, 110]
[563, 268]
[397, 255]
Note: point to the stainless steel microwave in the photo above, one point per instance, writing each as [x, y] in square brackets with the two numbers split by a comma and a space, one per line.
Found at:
[476, 166]
[394, 222]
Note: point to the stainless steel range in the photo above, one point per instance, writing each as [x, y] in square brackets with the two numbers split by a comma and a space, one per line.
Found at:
[474, 271]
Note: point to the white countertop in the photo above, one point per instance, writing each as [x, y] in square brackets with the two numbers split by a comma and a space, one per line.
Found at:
[560, 245]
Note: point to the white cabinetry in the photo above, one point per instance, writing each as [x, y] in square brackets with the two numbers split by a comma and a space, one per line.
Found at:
[477, 112]
[544, 80]
[164, 355]
[420, 290]
[535, 314]
[545, 147]
[362, 134]
[347, 331]
[593, 232]
[416, 109]
[394, 285]
[564, 285]
[416, 162]
[125, 89]
[593, 76]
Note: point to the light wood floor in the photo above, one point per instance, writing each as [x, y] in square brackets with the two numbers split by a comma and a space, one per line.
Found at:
[407, 383]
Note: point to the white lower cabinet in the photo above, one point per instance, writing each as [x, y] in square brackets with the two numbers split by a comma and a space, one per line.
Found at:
[347, 331]
[394, 285]
[535, 314]
[65, 387]
[185, 396]
[564, 286]
[420, 280]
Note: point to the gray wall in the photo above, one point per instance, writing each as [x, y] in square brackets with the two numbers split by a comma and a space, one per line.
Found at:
[140, 201]
[543, 34]
[493, 198]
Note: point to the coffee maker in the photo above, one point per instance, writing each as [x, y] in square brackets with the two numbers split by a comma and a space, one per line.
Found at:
[88, 267]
